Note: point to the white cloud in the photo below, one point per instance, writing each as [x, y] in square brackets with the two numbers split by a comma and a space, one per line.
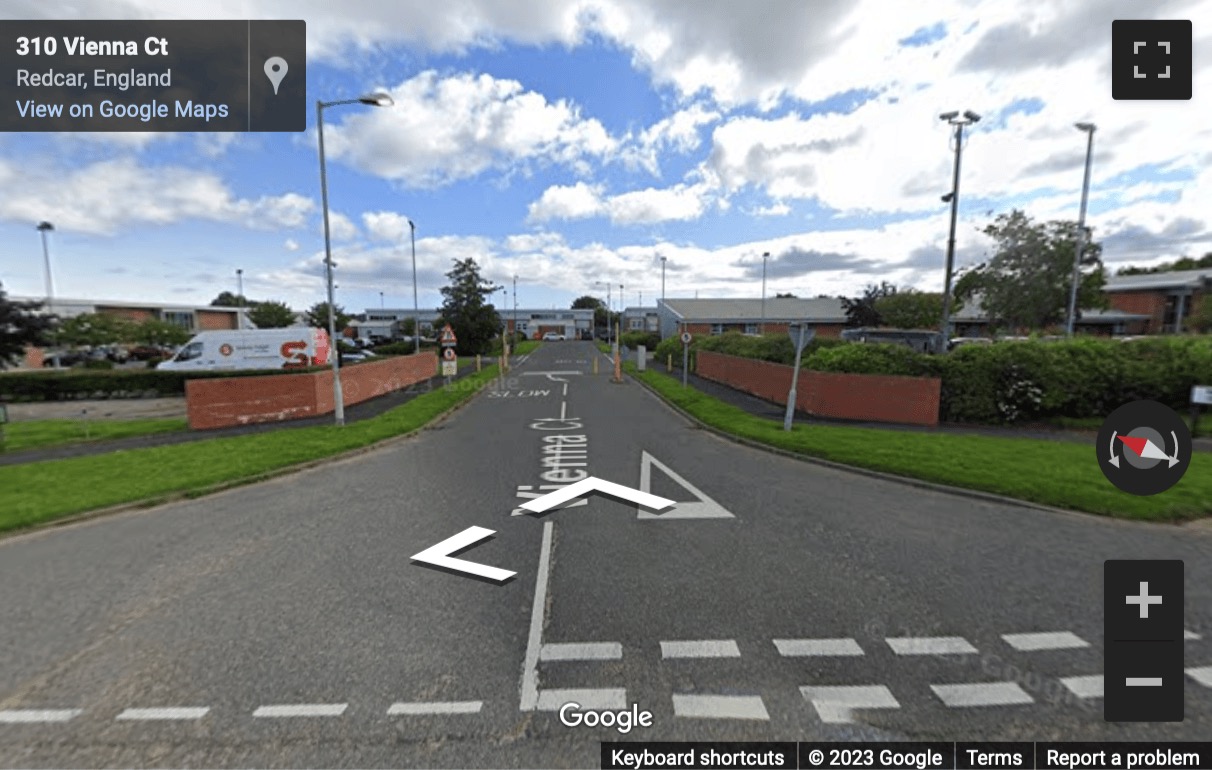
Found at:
[290, 244]
[778, 209]
[386, 226]
[680, 202]
[107, 197]
[443, 129]
[341, 227]
[576, 201]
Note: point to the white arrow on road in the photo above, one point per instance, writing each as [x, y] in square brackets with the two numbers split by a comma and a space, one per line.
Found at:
[594, 484]
[440, 555]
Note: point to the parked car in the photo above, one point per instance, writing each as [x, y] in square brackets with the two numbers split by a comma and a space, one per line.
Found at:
[553, 337]
[357, 356]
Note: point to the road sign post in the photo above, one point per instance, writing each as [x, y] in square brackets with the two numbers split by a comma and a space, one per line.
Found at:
[801, 335]
[1201, 396]
[3, 422]
[686, 339]
[450, 359]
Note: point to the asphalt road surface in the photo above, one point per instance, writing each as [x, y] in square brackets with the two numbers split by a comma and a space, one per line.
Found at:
[284, 624]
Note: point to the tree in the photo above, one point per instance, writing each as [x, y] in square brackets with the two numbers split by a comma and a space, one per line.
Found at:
[861, 311]
[1025, 285]
[601, 316]
[92, 329]
[275, 315]
[227, 299]
[22, 325]
[911, 309]
[786, 294]
[474, 321]
[317, 316]
[407, 326]
[1201, 319]
[1183, 263]
[153, 331]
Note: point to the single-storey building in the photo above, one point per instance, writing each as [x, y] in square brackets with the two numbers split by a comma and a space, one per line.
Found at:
[641, 319]
[389, 323]
[1162, 301]
[750, 316]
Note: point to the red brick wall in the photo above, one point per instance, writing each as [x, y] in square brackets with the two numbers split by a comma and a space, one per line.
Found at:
[210, 320]
[875, 398]
[1149, 303]
[34, 358]
[222, 402]
[128, 313]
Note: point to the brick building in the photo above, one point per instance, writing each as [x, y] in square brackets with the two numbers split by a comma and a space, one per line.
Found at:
[716, 316]
[1164, 301]
[192, 318]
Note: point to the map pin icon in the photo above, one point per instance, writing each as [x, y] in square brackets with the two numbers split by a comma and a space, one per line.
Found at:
[275, 70]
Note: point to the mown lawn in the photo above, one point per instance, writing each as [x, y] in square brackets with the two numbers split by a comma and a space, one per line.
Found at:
[38, 492]
[38, 434]
[1061, 474]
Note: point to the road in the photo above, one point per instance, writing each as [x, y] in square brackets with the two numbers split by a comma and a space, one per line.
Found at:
[283, 624]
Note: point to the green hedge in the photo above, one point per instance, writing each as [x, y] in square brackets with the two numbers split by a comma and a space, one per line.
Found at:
[633, 340]
[770, 347]
[119, 383]
[1010, 382]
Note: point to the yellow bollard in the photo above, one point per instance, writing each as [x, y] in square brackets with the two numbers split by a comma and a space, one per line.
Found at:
[478, 362]
[669, 362]
[595, 364]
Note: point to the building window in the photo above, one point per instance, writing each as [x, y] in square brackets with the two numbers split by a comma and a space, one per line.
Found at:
[177, 318]
[751, 328]
[717, 328]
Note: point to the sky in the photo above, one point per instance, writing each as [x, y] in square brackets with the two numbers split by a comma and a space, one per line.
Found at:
[573, 143]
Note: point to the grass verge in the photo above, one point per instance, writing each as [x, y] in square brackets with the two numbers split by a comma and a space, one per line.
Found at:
[1204, 429]
[1061, 474]
[36, 492]
[39, 434]
[43, 433]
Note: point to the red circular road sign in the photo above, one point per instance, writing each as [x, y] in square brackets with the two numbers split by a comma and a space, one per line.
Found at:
[449, 354]
[686, 338]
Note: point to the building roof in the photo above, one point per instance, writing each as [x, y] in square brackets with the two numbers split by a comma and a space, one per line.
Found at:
[974, 312]
[1177, 279]
[65, 302]
[636, 310]
[819, 309]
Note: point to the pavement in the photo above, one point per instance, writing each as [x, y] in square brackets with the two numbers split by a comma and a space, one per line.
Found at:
[284, 624]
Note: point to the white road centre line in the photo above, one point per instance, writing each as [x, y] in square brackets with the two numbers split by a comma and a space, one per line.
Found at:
[1058, 640]
[593, 699]
[530, 670]
[1084, 686]
[931, 645]
[302, 710]
[1203, 675]
[566, 390]
[563, 409]
[809, 648]
[165, 714]
[720, 707]
[33, 716]
[835, 705]
[1191, 636]
[982, 694]
[435, 707]
[701, 648]
[582, 651]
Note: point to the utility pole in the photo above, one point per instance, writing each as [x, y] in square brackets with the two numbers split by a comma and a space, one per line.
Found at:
[762, 328]
[953, 197]
[240, 296]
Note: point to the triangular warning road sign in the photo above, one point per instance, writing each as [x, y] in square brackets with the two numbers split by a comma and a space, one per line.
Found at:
[703, 507]
[448, 335]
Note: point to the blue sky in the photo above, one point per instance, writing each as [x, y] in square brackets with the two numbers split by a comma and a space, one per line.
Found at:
[574, 142]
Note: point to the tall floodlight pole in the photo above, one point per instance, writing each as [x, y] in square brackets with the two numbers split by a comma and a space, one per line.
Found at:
[377, 100]
[44, 228]
[662, 277]
[416, 307]
[762, 328]
[515, 307]
[240, 297]
[1081, 229]
[958, 121]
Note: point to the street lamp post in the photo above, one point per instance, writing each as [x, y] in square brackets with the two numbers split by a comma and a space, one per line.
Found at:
[662, 278]
[514, 334]
[958, 121]
[1081, 229]
[416, 306]
[376, 100]
[762, 328]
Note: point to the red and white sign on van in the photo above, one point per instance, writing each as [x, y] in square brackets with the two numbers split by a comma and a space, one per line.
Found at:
[448, 336]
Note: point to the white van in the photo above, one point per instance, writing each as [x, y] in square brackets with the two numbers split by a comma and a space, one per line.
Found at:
[252, 349]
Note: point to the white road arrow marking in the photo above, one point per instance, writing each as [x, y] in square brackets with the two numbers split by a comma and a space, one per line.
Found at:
[703, 508]
[593, 484]
[440, 555]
